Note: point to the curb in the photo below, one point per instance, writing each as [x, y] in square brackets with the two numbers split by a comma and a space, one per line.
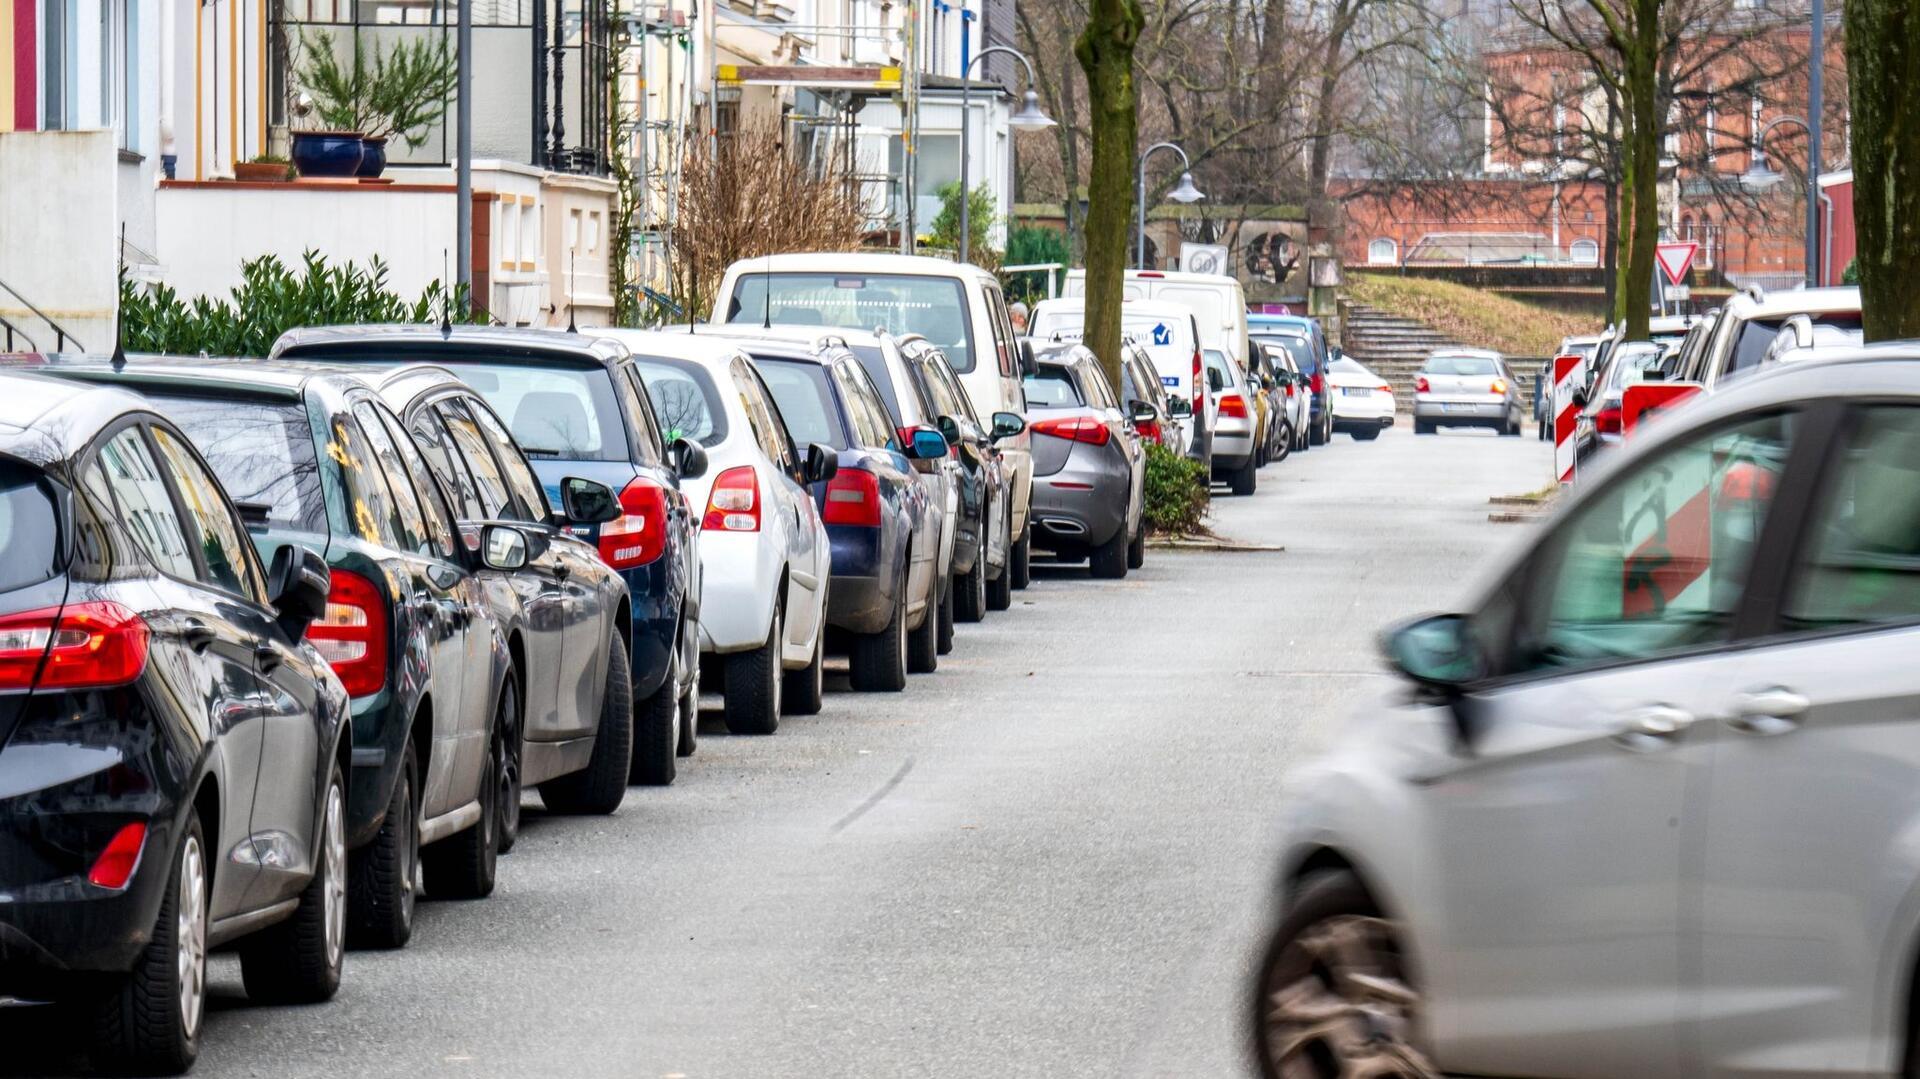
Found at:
[1215, 544]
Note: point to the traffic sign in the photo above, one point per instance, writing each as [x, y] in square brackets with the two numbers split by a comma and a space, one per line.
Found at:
[1679, 293]
[1675, 259]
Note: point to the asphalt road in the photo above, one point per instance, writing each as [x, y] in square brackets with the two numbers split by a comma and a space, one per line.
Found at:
[1051, 858]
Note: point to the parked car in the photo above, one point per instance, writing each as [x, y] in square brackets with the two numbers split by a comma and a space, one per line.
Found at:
[957, 306]
[1598, 425]
[1665, 759]
[880, 517]
[1299, 358]
[150, 807]
[1218, 303]
[1751, 319]
[764, 553]
[1293, 397]
[1169, 333]
[1234, 438]
[315, 460]
[1262, 373]
[1090, 464]
[1363, 404]
[1284, 330]
[576, 408]
[1465, 388]
[1259, 410]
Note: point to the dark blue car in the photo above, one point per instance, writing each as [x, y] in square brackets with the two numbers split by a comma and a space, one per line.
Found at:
[883, 598]
[577, 407]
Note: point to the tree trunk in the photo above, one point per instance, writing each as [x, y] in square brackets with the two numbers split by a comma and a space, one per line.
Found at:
[1643, 152]
[1321, 158]
[1883, 76]
[1105, 52]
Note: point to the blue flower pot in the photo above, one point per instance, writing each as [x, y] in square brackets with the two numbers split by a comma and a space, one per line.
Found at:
[334, 154]
[373, 159]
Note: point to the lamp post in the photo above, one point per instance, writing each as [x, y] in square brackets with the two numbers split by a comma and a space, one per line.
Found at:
[1760, 177]
[1029, 116]
[1184, 192]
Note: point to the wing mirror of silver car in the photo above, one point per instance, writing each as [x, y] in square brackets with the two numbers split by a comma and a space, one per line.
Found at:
[504, 547]
[689, 458]
[1440, 655]
[1141, 412]
[1178, 406]
[823, 462]
[1007, 425]
[950, 428]
[298, 581]
[588, 502]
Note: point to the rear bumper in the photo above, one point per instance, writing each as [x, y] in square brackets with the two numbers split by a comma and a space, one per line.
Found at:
[655, 596]
[861, 597]
[1371, 408]
[1079, 506]
[740, 572]
[1232, 448]
[1471, 410]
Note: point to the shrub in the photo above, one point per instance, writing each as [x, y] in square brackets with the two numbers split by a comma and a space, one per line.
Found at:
[1029, 245]
[981, 216]
[1176, 492]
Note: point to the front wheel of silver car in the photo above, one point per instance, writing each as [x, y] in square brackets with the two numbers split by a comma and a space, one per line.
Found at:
[1335, 997]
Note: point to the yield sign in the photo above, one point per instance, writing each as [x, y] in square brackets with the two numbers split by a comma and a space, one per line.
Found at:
[1675, 259]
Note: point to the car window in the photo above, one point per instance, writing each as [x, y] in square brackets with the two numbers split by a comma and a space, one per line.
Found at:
[1002, 326]
[874, 362]
[686, 403]
[934, 307]
[647, 442]
[406, 502]
[370, 500]
[769, 431]
[102, 550]
[146, 506]
[1453, 365]
[958, 401]
[806, 402]
[262, 452]
[554, 410]
[225, 550]
[431, 438]
[1658, 561]
[1051, 387]
[868, 396]
[867, 430]
[529, 496]
[1093, 378]
[1862, 560]
[30, 528]
[490, 485]
[428, 492]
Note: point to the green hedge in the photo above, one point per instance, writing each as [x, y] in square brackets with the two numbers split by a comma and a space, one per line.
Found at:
[1176, 491]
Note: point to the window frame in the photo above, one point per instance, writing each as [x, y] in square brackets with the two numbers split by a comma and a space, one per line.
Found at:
[138, 424]
[249, 555]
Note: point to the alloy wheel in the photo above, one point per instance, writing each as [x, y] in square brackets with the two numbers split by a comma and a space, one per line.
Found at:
[334, 894]
[506, 765]
[190, 936]
[1337, 1005]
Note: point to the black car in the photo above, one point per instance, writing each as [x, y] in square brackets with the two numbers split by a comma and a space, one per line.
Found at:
[314, 458]
[173, 754]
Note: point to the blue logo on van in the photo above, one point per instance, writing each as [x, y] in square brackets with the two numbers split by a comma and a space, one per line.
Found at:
[1162, 335]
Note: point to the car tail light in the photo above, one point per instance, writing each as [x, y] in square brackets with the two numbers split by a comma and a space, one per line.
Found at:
[352, 635]
[1233, 407]
[1075, 429]
[1149, 429]
[1421, 385]
[734, 504]
[1607, 420]
[853, 498]
[81, 646]
[1289, 389]
[1383, 389]
[115, 866]
[1318, 383]
[639, 534]
[1196, 375]
[1499, 386]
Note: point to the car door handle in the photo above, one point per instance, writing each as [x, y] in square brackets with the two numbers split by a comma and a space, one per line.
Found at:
[198, 635]
[1652, 727]
[267, 657]
[1775, 710]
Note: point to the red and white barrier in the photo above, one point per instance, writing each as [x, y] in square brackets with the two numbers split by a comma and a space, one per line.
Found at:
[1568, 372]
[1643, 399]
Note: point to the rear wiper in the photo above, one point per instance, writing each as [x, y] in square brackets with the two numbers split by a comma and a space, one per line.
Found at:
[254, 514]
[546, 454]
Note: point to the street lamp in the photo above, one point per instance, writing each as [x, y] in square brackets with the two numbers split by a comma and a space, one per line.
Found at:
[1183, 192]
[1762, 177]
[1030, 116]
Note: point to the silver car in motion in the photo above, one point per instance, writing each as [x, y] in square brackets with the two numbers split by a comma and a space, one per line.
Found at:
[1649, 806]
[1466, 387]
[1089, 464]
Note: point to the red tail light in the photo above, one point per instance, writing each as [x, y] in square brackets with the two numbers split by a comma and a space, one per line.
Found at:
[1421, 385]
[853, 498]
[1074, 429]
[80, 646]
[1607, 420]
[734, 504]
[115, 866]
[1289, 389]
[1197, 384]
[1383, 389]
[638, 535]
[1499, 386]
[1233, 407]
[1149, 429]
[1316, 382]
[352, 635]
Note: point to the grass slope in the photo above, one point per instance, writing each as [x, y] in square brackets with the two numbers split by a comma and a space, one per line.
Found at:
[1469, 315]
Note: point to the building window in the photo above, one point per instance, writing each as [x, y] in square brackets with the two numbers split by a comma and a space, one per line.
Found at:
[1583, 253]
[1383, 252]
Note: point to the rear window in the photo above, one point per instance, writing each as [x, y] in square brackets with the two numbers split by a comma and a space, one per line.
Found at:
[800, 389]
[554, 411]
[685, 400]
[29, 528]
[933, 307]
[262, 452]
[1052, 387]
[1297, 347]
[1461, 365]
[1348, 366]
[1757, 334]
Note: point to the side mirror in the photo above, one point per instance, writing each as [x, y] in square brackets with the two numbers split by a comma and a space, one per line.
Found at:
[950, 428]
[689, 458]
[1007, 425]
[1436, 652]
[503, 547]
[822, 463]
[1141, 412]
[1179, 406]
[297, 583]
[927, 444]
[588, 502]
[1579, 397]
[1028, 365]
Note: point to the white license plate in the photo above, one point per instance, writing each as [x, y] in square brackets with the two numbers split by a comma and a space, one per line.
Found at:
[1353, 391]
[1446, 407]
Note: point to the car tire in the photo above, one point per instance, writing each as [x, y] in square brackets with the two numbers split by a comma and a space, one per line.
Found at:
[1365, 434]
[656, 734]
[1241, 481]
[1327, 903]
[1000, 589]
[803, 690]
[507, 781]
[690, 696]
[1422, 427]
[1109, 560]
[1137, 548]
[1020, 558]
[970, 589]
[148, 1021]
[878, 663]
[381, 876]
[298, 961]
[464, 865]
[753, 683]
[1287, 440]
[1512, 428]
[1318, 433]
[923, 641]
[600, 787]
[945, 643]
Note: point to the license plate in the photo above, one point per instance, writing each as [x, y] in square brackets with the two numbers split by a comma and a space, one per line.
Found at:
[1352, 391]
[1455, 408]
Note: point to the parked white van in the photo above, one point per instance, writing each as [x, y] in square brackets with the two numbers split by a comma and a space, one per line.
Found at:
[955, 305]
[1217, 300]
[1170, 334]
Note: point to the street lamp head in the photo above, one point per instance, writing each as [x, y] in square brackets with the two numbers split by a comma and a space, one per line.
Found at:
[1185, 191]
[1030, 114]
[1759, 177]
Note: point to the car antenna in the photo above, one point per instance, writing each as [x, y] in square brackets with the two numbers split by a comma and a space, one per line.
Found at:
[766, 302]
[571, 306]
[446, 295]
[119, 313]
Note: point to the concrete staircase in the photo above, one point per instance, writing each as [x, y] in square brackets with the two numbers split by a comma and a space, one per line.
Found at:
[1394, 348]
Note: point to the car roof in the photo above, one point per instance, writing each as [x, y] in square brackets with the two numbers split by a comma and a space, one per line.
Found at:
[1748, 305]
[817, 336]
[502, 342]
[1673, 323]
[45, 419]
[267, 378]
[1181, 276]
[671, 344]
[872, 262]
[1477, 353]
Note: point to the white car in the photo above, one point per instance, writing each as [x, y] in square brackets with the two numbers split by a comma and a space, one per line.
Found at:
[1648, 807]
[1236, 414]
[764, 555]
[1362, 401]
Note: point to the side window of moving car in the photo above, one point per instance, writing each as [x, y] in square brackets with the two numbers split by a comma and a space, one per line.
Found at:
[471, 447]
[1862, 552]
[145, 504]
[1658, 563]
[527, 492]
[370, 502]
[225, 551]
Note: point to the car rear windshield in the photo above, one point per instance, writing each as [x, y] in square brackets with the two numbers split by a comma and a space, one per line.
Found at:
[933, 307]
[29, 527]
[1297, 347]
[262, 452]
[685, 399]
[800, 388]
[1052, 387]
[554, 411]
[1347, 365]
[1461, 365]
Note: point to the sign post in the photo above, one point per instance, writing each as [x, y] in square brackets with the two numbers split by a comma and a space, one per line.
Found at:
[1567, 372]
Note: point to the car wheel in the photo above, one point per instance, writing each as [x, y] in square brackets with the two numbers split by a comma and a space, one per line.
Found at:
[656, 733]
[753, 683]
[946, 614]
[879, 660]
[923, 641]
[803, 689]
[970, 589]
[149, 1020]
[1242, 480]
[382, 876]
[1422, 427]
[1020, 558]
[1109, 560]
[690, 696]
[1286, 447]
[1512, 429]
[1320, 432]
[511, 744]
[1137, 549]
[599, 788]
[1000, 589]
[1334, 995]
[298, 961]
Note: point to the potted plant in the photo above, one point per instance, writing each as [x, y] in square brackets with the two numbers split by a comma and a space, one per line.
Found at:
[267, 168]
[396, 94]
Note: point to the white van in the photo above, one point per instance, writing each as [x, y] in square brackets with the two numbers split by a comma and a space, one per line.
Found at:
[1217, 300]
[1170, 334]
[955, 305]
